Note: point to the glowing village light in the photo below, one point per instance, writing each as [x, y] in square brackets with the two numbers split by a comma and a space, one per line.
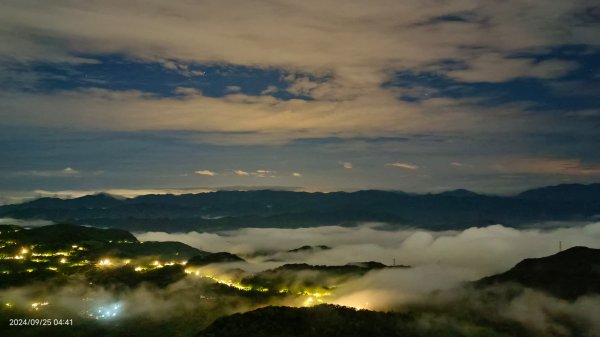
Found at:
[24, 251]
[104, 263]
[37, 305]
[63, 260]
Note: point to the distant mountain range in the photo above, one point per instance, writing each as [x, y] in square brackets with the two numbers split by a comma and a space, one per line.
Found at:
[224, 210]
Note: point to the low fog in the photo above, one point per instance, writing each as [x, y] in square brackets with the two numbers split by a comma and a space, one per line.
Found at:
[25, 222]
[440, 260]
[477, 252]
[436, 286]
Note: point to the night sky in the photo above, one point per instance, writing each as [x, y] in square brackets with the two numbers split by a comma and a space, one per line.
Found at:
[419, 95]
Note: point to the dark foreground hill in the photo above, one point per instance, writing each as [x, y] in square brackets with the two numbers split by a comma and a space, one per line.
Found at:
[283, 209]
[568, 274]
[337, 321]
[302, 277]
[322, 320]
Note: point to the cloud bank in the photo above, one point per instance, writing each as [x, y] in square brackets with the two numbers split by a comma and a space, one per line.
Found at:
[479, 251]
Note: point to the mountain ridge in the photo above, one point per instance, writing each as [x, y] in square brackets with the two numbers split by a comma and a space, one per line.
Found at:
[567, 274]
[225, 210]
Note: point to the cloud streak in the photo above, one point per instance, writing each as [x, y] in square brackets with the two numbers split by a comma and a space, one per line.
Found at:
[346, 164]
[407, 166]
[206, 173]
[550, 166]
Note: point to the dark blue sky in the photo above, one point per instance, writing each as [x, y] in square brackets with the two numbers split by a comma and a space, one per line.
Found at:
[495, 98]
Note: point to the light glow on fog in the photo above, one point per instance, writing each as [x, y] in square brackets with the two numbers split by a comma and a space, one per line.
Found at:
[106, 312]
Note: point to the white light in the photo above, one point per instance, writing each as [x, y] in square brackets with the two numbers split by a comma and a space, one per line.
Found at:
[108, 311]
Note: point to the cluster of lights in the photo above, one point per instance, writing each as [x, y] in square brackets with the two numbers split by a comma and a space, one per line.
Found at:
[107, 312]
[313, 297]
[104, 263]
[62, 258]
[107, 262]
[27, 253]
[37, 305]
[228, 283]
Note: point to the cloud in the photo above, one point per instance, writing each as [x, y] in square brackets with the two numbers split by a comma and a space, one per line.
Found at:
[496, 68]
[239, 118]
[25, 223]
[181, 68]
[257, 173]
[548, 166]
[66, 172]
[348, 96]
[264, 174]
[441, 262]
[346, 164]
[69, 170]
[407, 166]
[205, 173]
[233, 88]
[341, 62]
[271, 89]
[364, 40]
[241, 173]
[479, 251]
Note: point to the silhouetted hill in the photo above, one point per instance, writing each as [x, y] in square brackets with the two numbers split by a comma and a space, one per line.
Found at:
[336, 321]
[568, 274]
[68, 234]
[305, 249]
[225, 210]
[460, 193]
[172, 250]
[100, 242]
[322, 320]
[105, 256]
[565, 193]
[297, 277]
[100, 200]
